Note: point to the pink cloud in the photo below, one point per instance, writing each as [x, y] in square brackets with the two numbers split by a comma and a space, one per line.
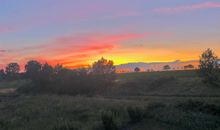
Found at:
[185, 8]
[74, 50]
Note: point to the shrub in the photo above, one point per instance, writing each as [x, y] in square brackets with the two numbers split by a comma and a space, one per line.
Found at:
[184, 116]
[65, 126]
[4, 125]
[153, 106]
[162, 80]
[135, 114]
[108, 121]
[196, 106]
[59, 80]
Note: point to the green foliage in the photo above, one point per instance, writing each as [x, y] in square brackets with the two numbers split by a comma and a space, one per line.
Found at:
[82, 113]
[184, 117]
[59, 80]
[14, 84]
[65, 126]
[209, 67]
[4, 125]
[135, 114]
[108, 121]
[198, 106]
[176, 74]
[46, 73]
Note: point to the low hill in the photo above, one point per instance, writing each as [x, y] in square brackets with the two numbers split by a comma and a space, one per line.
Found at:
[156, 66]
[171, 83]
[176, 100]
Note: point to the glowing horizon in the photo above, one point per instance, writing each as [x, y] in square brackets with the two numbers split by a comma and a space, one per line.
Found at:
[76, 34]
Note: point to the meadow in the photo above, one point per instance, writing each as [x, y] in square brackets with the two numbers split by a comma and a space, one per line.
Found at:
[176, 100]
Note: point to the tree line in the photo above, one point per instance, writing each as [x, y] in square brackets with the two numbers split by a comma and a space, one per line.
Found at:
[209, 68]
[101, 75]
[61, 80]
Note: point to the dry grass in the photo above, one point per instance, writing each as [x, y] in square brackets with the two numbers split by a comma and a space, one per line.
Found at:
[140, 101]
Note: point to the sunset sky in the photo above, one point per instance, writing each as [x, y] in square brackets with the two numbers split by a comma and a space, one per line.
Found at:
[78, 32]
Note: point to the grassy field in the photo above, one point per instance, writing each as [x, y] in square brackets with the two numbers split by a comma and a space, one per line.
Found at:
[180, 74]
[13, 84]
[139, 101]
[10, 87]
[174, 83]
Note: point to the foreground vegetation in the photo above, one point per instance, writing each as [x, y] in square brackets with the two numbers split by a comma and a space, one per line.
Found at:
[178, 101]
[57, 98]
[81, 113]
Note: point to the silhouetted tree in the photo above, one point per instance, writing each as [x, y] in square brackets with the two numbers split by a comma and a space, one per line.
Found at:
[33, 69]
[137, 69]
[58, 69]
[12, 71]
[46, 73]
[82, 71]
[60, 73]
[166, 67]
[209, 67]
[103, 66]
[2, 75]
[103, 72]
[60, 80]
[189, 66]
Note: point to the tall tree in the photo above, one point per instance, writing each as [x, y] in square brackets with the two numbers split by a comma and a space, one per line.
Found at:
[103, 66]
[103, 72]
[33, 69]
[46, 73]
[209, 67]
[58, 69]
[12, 71]
[2, 74]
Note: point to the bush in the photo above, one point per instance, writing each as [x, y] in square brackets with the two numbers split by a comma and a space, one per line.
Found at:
[200, 106]
[108, 121]
[151, 107]
[162, 80]
[70, 82]
[155, 105]
[184, 116]
[59, 80]
[4, 125]
[65, 126]
[135, 114]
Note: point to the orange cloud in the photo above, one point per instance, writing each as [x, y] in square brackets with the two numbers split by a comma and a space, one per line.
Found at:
[198, 6]
[76, 50]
